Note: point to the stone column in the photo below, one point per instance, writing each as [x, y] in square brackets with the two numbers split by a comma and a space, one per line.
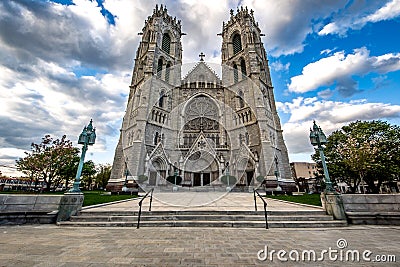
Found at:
[70, 205]
[333, 205]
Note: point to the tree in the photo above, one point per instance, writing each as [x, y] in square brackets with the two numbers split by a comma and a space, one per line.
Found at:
[48, 160]
[103, 175]
[88, 170]
[68, 172]
[363, 152]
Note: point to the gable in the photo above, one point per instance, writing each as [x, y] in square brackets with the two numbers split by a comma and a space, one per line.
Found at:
[201, 72]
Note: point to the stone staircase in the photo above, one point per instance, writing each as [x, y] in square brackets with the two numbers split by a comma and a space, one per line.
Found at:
[204, 219]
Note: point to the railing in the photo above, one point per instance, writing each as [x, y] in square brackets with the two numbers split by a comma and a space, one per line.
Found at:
[140, 205]
[265, 206]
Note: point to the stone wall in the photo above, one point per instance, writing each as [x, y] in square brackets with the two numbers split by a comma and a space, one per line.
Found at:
[372, 208]
[22, 209]
[15, 203]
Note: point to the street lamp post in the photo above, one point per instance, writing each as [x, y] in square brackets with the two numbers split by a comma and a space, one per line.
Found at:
[87, 137]
[175, 175]
[125, 187]
[318, 138]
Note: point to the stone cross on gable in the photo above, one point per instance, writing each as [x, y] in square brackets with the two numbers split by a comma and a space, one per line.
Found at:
[201, 56]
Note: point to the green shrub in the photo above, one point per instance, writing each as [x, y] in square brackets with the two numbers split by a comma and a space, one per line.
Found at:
[231, 180]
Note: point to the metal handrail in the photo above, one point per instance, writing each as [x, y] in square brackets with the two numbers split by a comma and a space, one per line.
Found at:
[140, 205]
[265, 206]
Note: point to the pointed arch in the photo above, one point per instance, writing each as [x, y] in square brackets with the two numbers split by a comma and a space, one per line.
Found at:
[161, 99]
[159, 67]
[235, 73]
[243, 67]
[237, 43]
[156, 138]
[167, 72]
[241, 99]
[166, 43]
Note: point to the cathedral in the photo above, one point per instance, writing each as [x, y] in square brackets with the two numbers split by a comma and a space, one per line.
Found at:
[191, 124]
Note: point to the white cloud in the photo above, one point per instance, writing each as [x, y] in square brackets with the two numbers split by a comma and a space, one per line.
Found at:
[340, 69]
[62, 65]
[58, 102]
[327, 51]
[358, 19]
[287, 23]
[278, 66]
[330, 115]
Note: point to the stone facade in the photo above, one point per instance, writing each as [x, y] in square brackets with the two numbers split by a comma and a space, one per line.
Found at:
[200, 127]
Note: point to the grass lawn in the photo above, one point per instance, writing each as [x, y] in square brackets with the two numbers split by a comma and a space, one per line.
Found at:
[91, 197]
[96, 197]
[313, 199]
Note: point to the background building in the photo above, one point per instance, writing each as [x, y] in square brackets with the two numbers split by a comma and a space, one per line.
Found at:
[304, 174]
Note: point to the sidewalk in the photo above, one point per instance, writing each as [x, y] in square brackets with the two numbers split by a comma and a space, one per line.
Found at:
[49, 245]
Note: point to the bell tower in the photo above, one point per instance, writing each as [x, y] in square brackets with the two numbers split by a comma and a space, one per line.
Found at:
[158, 60]
[160, 47]
[246, 72]
[242, 49]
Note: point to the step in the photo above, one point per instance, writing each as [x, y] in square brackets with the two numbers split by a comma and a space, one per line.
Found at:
[204, 212]
[206, 224]
[125, 218]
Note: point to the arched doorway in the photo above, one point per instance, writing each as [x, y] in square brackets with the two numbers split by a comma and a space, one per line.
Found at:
[245, 172]
[201, 168]
[158, 171]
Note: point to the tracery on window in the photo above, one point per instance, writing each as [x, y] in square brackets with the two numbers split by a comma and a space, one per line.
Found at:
[200, 107]
[237, 43]
[166, 43]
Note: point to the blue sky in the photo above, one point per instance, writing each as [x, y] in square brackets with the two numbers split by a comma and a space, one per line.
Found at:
[65, 62]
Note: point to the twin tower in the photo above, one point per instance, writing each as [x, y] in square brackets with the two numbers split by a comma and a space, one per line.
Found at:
[197, 130]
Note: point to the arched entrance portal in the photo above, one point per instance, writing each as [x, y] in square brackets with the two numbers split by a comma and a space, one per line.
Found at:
[245, 172]
[201, 137]
[158, 171]
[201, 169]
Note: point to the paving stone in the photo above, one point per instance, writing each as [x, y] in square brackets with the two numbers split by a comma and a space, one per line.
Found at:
[182, 247]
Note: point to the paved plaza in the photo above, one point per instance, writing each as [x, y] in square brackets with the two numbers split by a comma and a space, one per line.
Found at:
[49, 245]
[219, 201]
